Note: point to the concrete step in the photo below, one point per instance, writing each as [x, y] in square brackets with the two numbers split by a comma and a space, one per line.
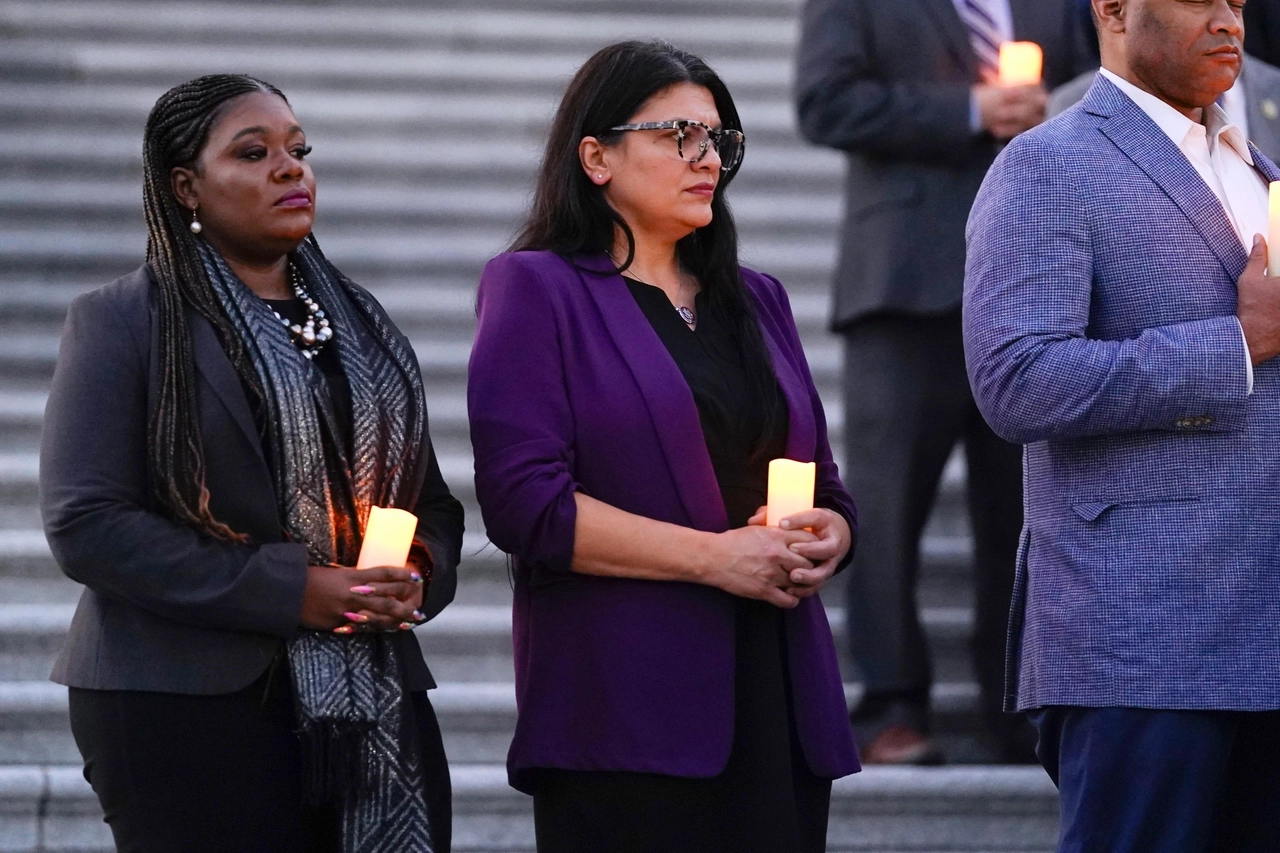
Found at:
[384, 68]
[49, 808]
[345, 202]
[368, 254]
[327, 112]
[467, 643]
[476, 718]
[946, 562]
[411, 155]
[542, 27]
[28, 359]
[22, 411]
[437, 308]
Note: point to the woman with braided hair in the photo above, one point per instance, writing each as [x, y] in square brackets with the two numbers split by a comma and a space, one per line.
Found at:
[220, 423]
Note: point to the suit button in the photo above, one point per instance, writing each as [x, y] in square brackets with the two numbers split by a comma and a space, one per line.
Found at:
[1182, 423]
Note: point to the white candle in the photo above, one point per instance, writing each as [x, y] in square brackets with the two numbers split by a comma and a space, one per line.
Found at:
[1273, 232]
[387, 538]
[1021, 63]
[791, 488]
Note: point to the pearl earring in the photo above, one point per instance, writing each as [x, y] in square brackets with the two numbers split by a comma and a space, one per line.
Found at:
[195, 226]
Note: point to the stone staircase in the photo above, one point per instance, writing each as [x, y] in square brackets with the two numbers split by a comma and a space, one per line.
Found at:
[427, 121]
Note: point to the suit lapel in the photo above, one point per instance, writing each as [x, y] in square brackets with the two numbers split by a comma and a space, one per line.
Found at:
[1151, 149]
[1264, 164]
[954, 32]
[666, 394]
[212, 364]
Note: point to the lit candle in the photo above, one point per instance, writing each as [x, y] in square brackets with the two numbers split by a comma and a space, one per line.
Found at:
[1021, 63]
[1273, 232]
[387, 538]
[791, 487]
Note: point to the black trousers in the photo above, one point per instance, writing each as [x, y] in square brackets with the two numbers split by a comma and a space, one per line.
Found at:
[907, 403]
[215, 774]
[765, 801]
[1134, 780]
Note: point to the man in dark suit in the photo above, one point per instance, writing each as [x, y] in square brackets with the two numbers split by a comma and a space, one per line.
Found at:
[1262, 30]
[907, 90]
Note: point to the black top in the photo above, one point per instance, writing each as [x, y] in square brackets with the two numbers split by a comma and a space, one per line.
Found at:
[733, 412]
[766, 773]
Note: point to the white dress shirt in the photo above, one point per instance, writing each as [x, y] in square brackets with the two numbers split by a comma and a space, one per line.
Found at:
[1220, 154]
[1236, 105]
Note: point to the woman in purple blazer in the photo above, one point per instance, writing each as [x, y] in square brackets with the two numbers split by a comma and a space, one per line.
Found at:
[675, 673]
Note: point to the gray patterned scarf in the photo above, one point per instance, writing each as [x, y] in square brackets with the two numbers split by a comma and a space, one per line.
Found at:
[358, 734]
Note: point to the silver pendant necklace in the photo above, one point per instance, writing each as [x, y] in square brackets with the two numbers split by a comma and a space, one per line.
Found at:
[686, 314]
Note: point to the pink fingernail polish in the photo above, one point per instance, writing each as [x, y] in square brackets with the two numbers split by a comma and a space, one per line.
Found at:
[363, 590]
[344, 629]
[415, 577]
[355, 617]
[406, 626]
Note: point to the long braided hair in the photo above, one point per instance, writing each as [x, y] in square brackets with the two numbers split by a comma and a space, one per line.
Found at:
[176, 133]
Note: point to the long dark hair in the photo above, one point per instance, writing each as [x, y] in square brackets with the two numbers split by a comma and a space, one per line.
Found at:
[176, 133]
[570, 215]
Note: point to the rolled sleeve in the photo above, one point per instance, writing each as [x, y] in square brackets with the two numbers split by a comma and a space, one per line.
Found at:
[521, 421]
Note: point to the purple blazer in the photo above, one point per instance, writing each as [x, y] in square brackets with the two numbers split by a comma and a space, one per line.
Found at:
[570, 389]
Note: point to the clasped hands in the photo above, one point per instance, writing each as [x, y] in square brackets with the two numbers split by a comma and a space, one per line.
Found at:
[1006, 111]
[345, 600]
[785, 564]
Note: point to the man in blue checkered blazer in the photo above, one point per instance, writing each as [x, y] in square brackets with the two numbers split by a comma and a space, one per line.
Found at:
[1117, 325]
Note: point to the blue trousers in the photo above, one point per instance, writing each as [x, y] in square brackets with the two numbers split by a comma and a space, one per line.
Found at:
[1133, 780]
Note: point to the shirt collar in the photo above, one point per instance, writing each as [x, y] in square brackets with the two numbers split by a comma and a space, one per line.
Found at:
[1176, 126]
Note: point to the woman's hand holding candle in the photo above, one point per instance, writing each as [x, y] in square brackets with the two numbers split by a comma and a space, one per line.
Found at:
[347, 600]
[831, 539]
[383, 594]
[757, 562]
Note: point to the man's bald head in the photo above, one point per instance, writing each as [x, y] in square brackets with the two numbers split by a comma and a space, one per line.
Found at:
[1185, 52]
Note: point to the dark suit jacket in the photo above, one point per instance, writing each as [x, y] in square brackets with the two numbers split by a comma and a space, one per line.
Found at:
[1262, 30]
[570, 389]
[1261, 92]
[167, 609]
[888, 83]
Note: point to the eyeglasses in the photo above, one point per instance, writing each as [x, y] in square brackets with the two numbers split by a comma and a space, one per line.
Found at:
[694, 139]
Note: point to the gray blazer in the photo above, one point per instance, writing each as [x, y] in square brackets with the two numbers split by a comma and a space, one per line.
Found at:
[1261, 94]
[1100, 331]
[888, 83]
[166, 609]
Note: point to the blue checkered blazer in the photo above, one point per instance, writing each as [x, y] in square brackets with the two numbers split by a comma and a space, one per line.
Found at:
[1100, 332]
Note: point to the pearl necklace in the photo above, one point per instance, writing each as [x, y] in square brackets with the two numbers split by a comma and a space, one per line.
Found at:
[311, 336]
